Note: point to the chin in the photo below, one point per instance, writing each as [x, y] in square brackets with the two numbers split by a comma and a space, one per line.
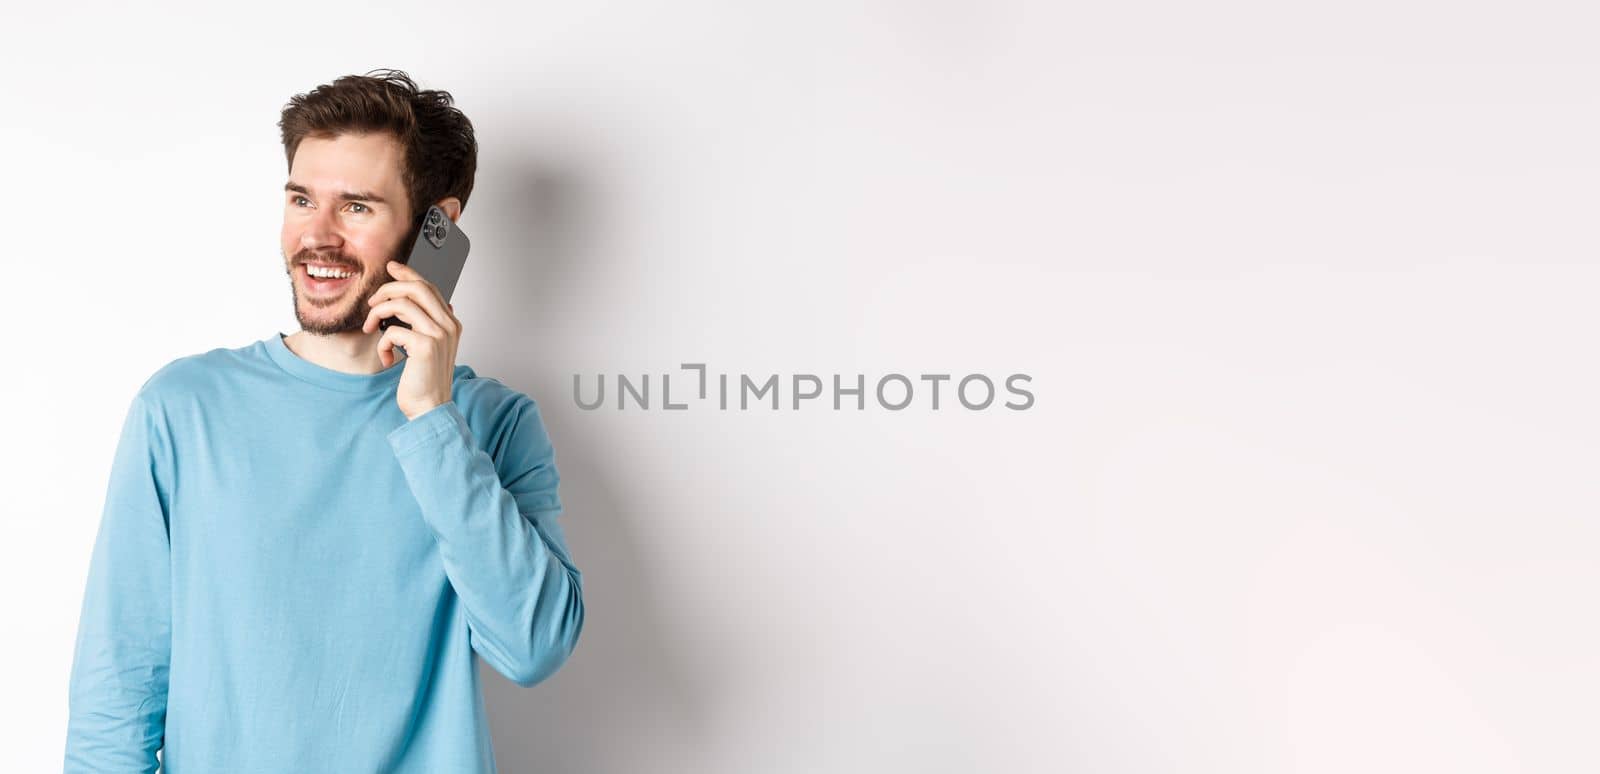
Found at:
[347, 312]
[328, 320]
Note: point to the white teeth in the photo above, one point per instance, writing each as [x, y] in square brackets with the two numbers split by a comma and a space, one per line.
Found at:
[324, 273]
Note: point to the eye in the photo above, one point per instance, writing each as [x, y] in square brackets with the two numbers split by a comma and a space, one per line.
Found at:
[296, 199]
[364, 208]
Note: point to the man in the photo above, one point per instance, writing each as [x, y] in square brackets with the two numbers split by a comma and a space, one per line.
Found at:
[308, 542]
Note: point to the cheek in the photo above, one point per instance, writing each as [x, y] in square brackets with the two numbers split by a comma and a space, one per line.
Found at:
[375, 252]
[368, 251]
[289, 240]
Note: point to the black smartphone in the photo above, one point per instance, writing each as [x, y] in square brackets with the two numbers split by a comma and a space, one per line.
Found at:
[438, 251]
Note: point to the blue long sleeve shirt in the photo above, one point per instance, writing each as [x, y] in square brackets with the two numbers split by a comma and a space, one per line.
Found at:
[290, 576]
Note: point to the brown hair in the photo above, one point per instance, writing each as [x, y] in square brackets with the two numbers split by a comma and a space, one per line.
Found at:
[441, 153]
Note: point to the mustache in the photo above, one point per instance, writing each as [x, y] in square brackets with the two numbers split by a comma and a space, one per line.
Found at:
[341, 261]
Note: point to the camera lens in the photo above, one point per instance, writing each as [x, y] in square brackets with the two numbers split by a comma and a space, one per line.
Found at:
[433, 217]
[438, 232]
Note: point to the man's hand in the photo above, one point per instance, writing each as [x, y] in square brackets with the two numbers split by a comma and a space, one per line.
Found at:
[430, 342]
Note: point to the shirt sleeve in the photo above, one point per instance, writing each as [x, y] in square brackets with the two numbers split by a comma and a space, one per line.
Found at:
[117, 698]
[501, 545]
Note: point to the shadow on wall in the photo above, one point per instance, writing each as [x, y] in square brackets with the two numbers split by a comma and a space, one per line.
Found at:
[623, 695]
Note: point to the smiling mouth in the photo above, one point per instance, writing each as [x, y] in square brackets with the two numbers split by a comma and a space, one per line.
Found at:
[329, 283]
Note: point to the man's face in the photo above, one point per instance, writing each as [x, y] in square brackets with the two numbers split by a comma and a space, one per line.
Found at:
[345, 211]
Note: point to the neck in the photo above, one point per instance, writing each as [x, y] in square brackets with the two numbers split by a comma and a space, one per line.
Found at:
[351, 353]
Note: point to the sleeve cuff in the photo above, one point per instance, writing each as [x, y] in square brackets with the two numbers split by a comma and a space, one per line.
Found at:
[428, 426]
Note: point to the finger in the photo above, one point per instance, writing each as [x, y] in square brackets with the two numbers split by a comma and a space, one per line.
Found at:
[402, 289]
[423, 291]
[405, 310]
[408, 311]
[386, 344]
[415, 344]
[400, 270]
[401, 274]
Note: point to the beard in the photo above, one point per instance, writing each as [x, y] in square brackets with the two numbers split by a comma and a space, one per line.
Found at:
[355, 308]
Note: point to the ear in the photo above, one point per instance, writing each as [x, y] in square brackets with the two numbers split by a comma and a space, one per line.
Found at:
[452, 208]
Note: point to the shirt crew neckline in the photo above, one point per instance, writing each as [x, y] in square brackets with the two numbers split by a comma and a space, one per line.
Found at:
[321, 376]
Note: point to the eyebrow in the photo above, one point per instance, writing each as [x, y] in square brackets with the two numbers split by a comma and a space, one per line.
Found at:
[361, 196]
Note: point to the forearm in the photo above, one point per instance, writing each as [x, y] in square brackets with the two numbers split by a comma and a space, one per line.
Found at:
[118, 706]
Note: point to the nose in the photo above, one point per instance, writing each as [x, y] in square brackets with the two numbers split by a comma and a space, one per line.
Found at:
[321, 232]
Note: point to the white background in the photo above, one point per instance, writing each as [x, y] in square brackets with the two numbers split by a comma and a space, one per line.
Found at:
[1306, 294]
